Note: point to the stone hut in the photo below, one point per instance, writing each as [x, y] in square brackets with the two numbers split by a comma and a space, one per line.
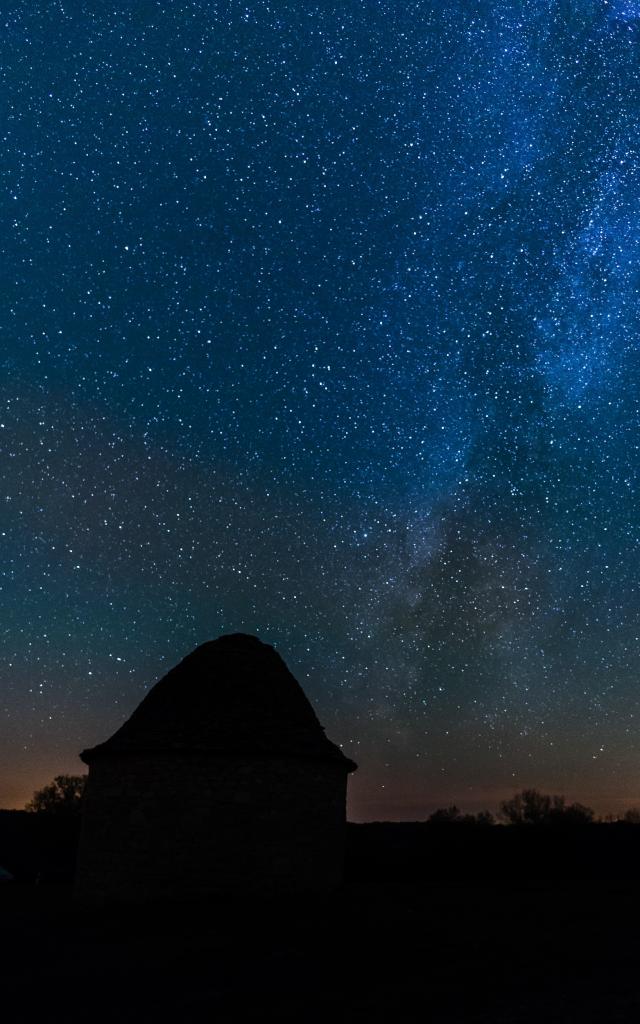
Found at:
[222, 780]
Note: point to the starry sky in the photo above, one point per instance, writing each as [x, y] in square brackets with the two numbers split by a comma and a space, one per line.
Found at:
[320, 321]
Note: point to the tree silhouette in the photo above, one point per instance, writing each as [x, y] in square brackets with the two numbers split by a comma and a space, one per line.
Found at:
[572, 814]
[62, 796]
[445, 816]
[454, 816]
[531, 807]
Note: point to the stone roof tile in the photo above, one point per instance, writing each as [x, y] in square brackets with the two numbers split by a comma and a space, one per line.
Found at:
[233, 695]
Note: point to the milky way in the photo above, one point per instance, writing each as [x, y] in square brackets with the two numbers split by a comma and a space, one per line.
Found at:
[320, 322]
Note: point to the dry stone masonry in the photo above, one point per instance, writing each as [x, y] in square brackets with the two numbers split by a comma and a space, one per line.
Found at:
[221, 780]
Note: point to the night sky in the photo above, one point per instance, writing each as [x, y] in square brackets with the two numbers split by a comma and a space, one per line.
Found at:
[320, 322]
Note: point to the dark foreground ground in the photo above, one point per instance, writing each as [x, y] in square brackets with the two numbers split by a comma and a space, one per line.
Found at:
[448, 925]
[388, 951]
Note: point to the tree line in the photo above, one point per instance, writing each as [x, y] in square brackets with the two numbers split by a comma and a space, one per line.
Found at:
[64, 796]
[531, 807]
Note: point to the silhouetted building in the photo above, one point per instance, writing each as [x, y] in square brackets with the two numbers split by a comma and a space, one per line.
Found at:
[222, 779]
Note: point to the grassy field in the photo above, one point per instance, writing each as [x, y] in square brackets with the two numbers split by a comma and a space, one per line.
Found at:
[442, 952]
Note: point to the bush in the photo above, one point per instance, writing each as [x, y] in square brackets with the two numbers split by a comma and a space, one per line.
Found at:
[454, 816]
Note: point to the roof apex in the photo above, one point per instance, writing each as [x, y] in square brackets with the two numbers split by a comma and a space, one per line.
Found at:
[232, 695]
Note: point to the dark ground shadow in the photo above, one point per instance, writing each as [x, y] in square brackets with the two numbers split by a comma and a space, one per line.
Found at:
[387, 951]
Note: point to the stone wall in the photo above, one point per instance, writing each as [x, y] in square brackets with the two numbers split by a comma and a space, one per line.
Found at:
[184, 825]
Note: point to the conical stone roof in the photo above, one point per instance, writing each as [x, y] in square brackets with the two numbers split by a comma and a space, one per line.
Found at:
[233, 695]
